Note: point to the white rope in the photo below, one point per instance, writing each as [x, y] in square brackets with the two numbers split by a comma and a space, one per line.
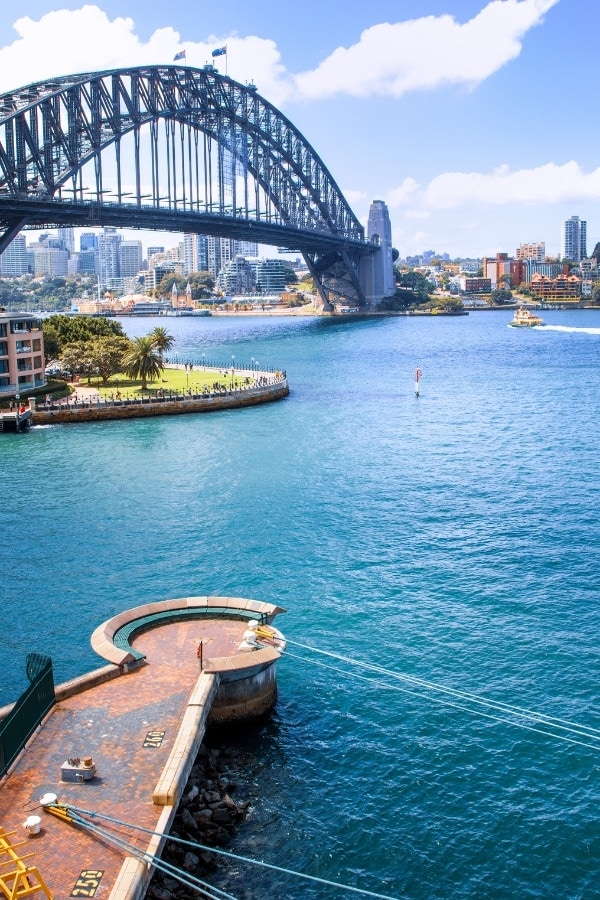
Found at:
[209, 891]
[226, 853]
[561, 725]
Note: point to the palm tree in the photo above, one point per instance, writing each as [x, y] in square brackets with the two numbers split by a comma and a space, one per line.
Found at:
[163, 341]
[143, 360]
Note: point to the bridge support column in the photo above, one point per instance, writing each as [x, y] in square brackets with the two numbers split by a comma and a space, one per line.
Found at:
[376, 271]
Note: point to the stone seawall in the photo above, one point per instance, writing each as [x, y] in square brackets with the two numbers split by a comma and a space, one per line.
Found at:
[131, 409]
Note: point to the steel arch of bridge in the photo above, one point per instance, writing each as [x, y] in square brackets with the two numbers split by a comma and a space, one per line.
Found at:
[175, 149]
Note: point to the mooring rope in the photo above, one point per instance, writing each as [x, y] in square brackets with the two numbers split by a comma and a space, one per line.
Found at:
[76, 812]
[521, 717]
[186, 878]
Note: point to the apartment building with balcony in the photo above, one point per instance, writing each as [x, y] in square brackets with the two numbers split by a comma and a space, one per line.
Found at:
[563, 287]
[21, 353]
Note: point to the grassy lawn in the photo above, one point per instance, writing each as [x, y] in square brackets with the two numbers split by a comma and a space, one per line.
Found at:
[171, 380]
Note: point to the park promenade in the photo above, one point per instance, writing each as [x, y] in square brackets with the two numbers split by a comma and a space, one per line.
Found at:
[86, 406]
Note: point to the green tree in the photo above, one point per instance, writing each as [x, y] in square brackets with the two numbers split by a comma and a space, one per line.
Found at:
[107, 355]
[202, 285]
[61, 330]
[52, 342]
[163, 341]
[596, 292]
[143, 360]
[499, 296]
[416, 282]
[77, 357]
[453, 303]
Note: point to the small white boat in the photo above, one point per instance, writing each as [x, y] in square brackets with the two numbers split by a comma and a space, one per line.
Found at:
[524, 318]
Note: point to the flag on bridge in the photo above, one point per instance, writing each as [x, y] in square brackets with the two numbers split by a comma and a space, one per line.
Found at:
[220, 51]
[180, 55]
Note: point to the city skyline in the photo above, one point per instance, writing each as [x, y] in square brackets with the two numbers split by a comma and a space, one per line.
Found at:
[449, 113]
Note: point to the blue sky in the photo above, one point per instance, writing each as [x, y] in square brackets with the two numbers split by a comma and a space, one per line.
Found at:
[474, 121]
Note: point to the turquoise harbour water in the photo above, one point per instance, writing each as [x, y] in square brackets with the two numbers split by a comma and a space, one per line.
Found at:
[453, 537]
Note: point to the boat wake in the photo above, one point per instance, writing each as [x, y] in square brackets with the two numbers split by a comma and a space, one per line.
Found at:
[570, 329]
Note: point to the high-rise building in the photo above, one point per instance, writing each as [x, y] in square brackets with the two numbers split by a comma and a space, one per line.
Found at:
[536, 251]
[67, 236]
[246, 248]
[88, 241]
[573, 244]
[130, 258]
[109, 243]
[195, 253]
[14, 259]
[51, 261]
[88, 262]
[153, 251]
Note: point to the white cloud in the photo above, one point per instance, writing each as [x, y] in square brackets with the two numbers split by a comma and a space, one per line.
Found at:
[549, 183]
[404, 193]
[355, 196]
[389, 59]
[421, 54]
[86, 40]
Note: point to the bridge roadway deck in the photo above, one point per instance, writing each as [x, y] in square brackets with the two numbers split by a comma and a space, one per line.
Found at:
[109, 722]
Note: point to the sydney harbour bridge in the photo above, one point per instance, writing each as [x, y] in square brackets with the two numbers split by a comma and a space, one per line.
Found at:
[172, 148]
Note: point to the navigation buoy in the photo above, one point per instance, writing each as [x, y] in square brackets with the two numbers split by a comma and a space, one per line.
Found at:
[418, 374]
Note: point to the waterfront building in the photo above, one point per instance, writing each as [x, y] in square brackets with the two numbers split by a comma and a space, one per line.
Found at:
[269, 275]
[21, 352]
[14, 261]
[237, 277]
[503, 270]
[474, 285]
[549, 269]
[535, 251]
[563, 287]
[573, 244]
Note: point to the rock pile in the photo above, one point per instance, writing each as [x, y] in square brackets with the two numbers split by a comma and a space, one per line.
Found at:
[207, 815]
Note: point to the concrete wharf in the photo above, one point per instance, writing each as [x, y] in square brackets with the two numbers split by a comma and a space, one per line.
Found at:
[141, 718]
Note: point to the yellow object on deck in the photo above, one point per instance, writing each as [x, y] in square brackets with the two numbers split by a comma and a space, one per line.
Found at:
[22, 879]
